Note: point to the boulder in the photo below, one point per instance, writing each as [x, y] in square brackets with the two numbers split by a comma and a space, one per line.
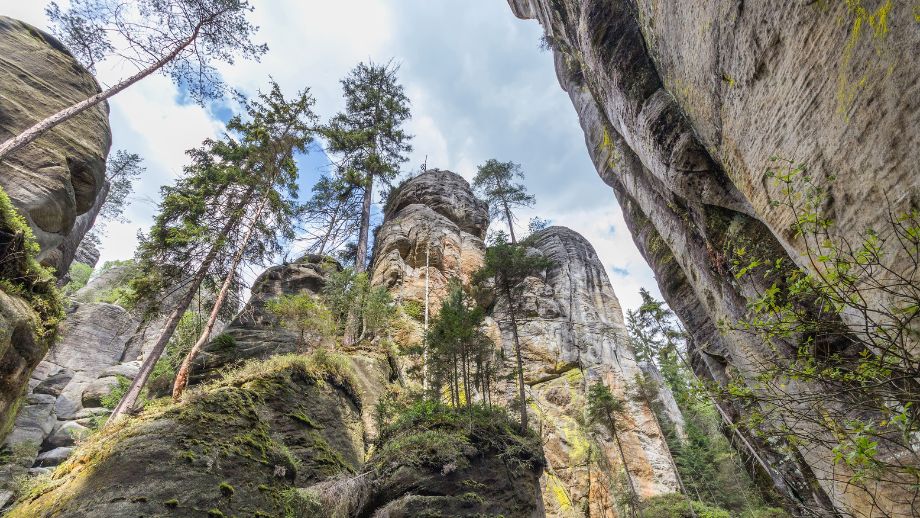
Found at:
[53, 457]
[97, 389]
[57, 179]
[66, 433]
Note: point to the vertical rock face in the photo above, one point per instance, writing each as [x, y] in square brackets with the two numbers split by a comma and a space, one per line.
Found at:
[435, 212]
[684, 103]
[573, 335]
[56, 182]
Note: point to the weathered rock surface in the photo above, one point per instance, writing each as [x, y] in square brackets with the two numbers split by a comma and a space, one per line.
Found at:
[573, 335]
[56, 183]
[435, 212]
[684, 103]
[59, 177]
[242, 447]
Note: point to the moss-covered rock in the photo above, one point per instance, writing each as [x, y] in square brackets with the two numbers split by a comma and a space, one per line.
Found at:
[437, 461]
[238, 446]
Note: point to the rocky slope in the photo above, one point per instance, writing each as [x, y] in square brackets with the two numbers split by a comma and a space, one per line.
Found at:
[573, 335]
[57, 184]
[684, 104]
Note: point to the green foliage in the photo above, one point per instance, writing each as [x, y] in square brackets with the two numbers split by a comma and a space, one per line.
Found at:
[414, 309]
[181, 342]
[459, 351]
[79, 274]
[429, 434]
[22, 275]
[495, 182]
[604, 408]
[677, 506]
[111, 399]
[710, 468]
[349, 293]
[305, 315]
[848, 398]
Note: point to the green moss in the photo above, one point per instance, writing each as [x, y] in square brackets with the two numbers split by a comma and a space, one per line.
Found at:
[21, 274]
[226, 489]
[172, 503]
[675, 505]
[216, 512]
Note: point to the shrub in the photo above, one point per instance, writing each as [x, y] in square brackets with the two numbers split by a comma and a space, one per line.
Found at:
[111, 399]
[305, 315]
[675, 505]
[79, 274]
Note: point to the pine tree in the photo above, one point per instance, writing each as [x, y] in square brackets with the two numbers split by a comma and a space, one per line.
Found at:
[505, 267]
[332, 215]
[495, 182]
[368, 138]
[234, 202]
[182, 39]
[606, 410]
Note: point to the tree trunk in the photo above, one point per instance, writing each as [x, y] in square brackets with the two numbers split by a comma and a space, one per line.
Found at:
[364, 229]
[134, 391]
[517, 353]
[39, 128]
[183, 374]
[510, 223]
[634, 497]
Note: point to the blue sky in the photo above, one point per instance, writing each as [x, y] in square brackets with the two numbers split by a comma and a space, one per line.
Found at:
[479, 84]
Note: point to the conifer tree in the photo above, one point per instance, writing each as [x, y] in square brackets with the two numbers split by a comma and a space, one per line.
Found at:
[332, 215]
[368, 137]
[182, 39]
[606, 410]
[505, 267]
[235, 202]
[495, 182]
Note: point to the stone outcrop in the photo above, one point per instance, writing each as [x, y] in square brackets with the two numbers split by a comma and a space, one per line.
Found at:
[573, 335]
[684, 104]
[435, 212]
[56, 183]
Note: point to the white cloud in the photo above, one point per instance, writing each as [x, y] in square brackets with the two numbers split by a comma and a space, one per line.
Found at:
[480, 88]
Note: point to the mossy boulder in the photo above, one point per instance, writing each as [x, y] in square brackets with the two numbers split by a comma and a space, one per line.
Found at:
[238, 446]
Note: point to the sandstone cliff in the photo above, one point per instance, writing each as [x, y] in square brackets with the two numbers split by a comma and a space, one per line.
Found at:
[684, 103]
[573, 335]
[57, 184]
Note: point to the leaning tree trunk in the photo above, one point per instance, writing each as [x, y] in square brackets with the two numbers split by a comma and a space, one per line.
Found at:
[39, 128]
[182, 376]
[510, 223]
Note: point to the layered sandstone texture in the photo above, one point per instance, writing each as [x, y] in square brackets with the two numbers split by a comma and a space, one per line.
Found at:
[56, 183]
[686, 105]
[57, 180]
[572, 336]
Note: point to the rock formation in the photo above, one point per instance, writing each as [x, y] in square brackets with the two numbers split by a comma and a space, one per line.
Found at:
[436, 213]
[56, 183]
[573, 335]
[683, 104]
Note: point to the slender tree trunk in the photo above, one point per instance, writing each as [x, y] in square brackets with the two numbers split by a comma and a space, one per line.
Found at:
[510, 223]
[130, 398]
[183, 374]
[364, 229]
[517, 353]
[634, 497]
[39, 128]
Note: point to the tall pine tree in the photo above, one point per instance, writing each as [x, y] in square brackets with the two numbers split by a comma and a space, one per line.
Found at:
[236, 203]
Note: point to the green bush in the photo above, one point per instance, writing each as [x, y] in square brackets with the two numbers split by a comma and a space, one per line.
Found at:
[414, 309]
[111, 399]
[305, 315]
[675, 505]
[22, 275]
[79, 274]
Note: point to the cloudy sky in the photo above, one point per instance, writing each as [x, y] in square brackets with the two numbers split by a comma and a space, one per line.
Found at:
[479, 84]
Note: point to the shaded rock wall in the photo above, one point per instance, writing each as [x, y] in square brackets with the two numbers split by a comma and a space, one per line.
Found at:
[57, 180]
[57, 183]
[573, 335]
[684, 102]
